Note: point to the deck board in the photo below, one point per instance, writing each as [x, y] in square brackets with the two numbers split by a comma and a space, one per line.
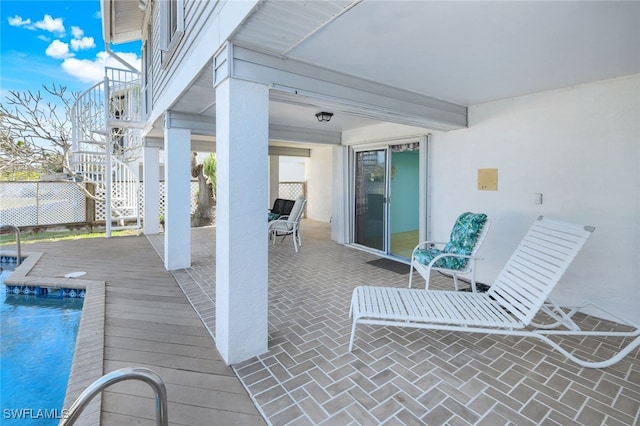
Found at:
[149, 323]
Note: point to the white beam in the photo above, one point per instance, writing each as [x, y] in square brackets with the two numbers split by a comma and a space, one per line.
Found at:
[289, 151]
[204, 125]
[298, 82]
[197, 124]
[302, 134]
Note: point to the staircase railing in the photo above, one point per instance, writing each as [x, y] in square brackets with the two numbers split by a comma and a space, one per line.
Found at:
[123, 197]
[16, 231]
[125, 97]
[106, 119]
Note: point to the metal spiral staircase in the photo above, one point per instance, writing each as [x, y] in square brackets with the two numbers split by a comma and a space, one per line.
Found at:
[106, 121]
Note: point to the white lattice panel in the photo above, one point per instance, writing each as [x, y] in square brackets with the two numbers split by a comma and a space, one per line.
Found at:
[101, 212]
[41, 203]
[291, 190]
[60, 202]
[194, 197]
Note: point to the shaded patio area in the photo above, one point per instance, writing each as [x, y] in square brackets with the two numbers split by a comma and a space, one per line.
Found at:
[399, 375]
[394, 375]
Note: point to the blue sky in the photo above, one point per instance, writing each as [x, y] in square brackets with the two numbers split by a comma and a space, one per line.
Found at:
[45, 42]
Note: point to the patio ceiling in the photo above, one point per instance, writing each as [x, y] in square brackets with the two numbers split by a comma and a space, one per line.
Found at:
[462, 52]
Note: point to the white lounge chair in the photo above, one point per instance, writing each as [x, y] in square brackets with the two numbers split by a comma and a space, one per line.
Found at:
[455, 257]
[289, 224]
[520, 291]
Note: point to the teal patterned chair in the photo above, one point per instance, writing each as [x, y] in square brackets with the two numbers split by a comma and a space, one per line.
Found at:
[455, 257]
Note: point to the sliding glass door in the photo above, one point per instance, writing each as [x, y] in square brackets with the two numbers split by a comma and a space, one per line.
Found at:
[404, 199]
[386, 199]
[370, 201]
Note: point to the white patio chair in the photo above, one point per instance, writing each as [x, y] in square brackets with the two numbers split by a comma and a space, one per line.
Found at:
[455, 257]
[519, 292]
[289, 224]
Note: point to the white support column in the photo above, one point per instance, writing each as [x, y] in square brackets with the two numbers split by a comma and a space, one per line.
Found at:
[151, 179]
[340, 228]
[274, 178]
[242, 127]
[177, 212]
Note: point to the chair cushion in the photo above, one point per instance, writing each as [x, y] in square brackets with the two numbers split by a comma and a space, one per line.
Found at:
[425, 256]
[462, 240]
[273, 216]
[282, 206]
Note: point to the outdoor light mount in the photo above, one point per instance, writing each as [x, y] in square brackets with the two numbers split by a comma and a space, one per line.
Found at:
[324, 116]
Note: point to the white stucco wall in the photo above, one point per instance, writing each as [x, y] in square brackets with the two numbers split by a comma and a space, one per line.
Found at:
[580, 148]
[319, 184]
[292, 169]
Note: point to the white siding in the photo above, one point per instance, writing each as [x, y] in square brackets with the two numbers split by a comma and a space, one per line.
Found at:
[197, 15]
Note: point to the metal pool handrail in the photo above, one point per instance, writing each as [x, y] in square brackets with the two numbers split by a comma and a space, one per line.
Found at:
[16, 230]
[130, 373]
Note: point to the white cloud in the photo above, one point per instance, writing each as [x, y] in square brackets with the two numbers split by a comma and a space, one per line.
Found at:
[77, 32]
[83, 43]
[17, 21]
[79, 42]
[44, 38]
[92, 71]
[50, 24]
[58, 50]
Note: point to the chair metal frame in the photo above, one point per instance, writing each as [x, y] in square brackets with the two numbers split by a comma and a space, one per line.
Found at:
[288, 225]
[469, 268]
[519, 293]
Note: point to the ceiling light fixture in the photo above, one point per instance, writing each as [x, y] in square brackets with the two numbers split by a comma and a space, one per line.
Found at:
[324, 116]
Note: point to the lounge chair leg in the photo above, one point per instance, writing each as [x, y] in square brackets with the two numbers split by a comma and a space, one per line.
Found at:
[473, 276]
[410, 276]
[353, 333]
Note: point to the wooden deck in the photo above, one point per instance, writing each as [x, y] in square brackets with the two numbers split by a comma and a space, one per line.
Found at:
[149, 323]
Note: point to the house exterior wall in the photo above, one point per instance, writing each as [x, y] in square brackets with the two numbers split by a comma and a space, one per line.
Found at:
[207, 25]
[577, 146]
[195, 19]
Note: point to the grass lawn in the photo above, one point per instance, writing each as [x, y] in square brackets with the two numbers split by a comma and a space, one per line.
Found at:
[50, 236]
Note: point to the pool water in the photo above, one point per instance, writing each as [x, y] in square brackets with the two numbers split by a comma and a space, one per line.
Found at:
[37, 340]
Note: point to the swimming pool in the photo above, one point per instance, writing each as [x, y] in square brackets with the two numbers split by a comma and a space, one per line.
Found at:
[37, 340]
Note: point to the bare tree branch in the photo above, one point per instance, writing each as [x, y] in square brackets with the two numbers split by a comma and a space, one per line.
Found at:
[35, 133]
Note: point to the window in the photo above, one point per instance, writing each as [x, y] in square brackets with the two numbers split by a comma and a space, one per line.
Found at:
[172, 27]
